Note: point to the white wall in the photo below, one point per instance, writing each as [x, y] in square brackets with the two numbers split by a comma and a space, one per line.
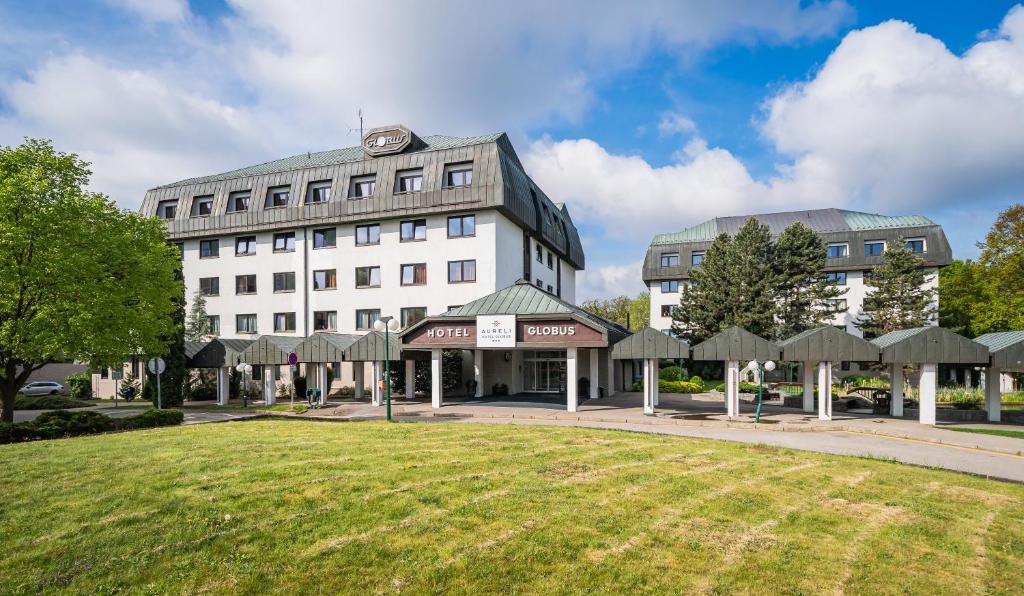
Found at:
[657, 300]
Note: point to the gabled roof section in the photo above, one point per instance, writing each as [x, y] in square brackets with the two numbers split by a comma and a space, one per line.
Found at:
[1007, 349]
[736, 343]
[828, 344]
[270, 349]
[324, 347]
[371, 348]
[930, 345]
[215, 353]
[650, 343]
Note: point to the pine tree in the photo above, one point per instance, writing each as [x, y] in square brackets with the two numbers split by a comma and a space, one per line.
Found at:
[806, 297]
[702, 307]
[898, 298]
[198, 326]
[753, 298]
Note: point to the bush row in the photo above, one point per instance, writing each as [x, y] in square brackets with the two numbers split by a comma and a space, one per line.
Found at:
[47, 402]
[694, 385]
[744, 388]
[62, 423]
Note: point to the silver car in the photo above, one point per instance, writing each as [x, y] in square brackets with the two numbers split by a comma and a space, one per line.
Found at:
[43, 388]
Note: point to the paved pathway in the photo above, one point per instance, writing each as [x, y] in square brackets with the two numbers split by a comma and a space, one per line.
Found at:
[191, 417]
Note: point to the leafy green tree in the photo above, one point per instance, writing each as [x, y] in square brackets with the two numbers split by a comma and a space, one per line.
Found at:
[632, 313]
[198, 326]
[1002, 257]
[175, 380]
[963, 295]
[898, 298]
[806, 298]
[79, 277]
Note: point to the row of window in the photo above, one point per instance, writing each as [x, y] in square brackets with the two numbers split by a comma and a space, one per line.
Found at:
[412, 274]
[667, 310]
[838, 277]
[414, 230]
[874, 248]
[539, 251]
[323, 320]
[406, 181]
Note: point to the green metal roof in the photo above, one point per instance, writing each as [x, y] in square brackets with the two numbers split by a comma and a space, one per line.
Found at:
[930, 345]
[650, 343]
[1001, 340]
[332, 157]
[215, 353]
[894, 337]
[736, 343]
[827, 344]
[1007, 348]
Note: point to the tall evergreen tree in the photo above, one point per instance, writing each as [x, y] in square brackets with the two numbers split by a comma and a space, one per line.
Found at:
[899, 298]
[198, 326]
[806, 298]
[702, 309]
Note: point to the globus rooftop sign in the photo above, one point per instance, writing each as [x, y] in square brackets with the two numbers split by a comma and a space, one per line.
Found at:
[386, 140]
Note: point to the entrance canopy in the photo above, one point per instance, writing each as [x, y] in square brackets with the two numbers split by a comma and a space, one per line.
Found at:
[930, 345]
[370, 348]
[650, 343]
[734, 344]
[324, 347]
[828, 344]
[1006, 348]
[216, 353]
[270, 349]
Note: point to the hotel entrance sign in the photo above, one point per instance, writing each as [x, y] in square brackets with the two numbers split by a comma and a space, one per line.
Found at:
[496, 331]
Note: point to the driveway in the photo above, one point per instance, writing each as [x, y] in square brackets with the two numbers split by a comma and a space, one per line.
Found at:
[191, 417]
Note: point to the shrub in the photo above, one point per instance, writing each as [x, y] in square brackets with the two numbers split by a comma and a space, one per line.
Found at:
[697, 381]
[671, 373]
[300, 386]
[744, 388]
[152, 418]
[79, 386]
[47, 402]
[679, 387]
[61, 423]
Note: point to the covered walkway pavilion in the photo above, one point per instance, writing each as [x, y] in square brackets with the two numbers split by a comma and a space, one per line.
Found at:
[650, 346]
[219, 354]
[1006, 350]
[324, 348]
[819, 349]
[730, 347]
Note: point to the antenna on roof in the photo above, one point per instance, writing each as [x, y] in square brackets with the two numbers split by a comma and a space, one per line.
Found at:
[351, 130]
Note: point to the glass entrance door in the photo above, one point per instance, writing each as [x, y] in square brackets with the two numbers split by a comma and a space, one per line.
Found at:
[544, 372]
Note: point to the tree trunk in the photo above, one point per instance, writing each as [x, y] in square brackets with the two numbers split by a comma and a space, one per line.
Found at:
[7, 393]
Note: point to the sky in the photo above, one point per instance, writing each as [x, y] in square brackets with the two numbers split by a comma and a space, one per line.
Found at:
[644, 117]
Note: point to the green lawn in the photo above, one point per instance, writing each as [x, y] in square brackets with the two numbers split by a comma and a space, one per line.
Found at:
[298, 506]
[1016, 434]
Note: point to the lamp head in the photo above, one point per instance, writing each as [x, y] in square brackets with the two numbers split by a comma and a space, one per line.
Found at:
[392, 325]
[378, 325]
[241, 367]
[769, 365]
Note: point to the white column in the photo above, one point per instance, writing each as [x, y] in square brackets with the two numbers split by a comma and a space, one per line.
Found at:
[732, 388]
[223, 385]
[655, 390]
[968, 377]
[478, 372]
[926, 393]
[269, 386]
[648, 389]
[321, 374]
[378, 398]
[595, 375]
[896, 408]
[358, 374]
[808, 387]
[993, 398]
[571, 380]
[436, 398]
[824, 391]
[410, 379]
[611, 374]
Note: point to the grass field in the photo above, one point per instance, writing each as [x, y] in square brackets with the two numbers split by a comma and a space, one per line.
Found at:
[1016, 434]
[296, 506]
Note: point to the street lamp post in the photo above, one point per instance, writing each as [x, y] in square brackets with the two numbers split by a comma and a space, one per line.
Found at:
[387, 325]
[245, 369]
[769, 366]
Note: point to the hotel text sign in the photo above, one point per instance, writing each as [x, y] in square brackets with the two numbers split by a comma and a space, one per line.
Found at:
[557, 332]
[496, 331]
[443, 334]
[387, 140]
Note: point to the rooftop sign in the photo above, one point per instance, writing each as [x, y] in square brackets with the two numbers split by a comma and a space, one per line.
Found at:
[386, 140]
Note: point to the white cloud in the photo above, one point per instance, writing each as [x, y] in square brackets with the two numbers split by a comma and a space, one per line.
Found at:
[155, 10]
[673, 123]
[609, 280]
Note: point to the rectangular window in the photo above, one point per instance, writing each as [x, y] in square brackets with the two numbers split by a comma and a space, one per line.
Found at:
[325, 320]
[362, 186]
[245, 323]
[277, 197]
[461, 226]
[238, 201]
[413, 315]
[874, 249]
[209, 286]
[539, 253]
[551, 260]
[540, 283]
[284, 322]
[666, 310]
[325, 279]
[257, 372]
[202, 206]
[838, 251]
[837, 277]
[915, 245]
[284, 242]
[209, 249]
[245, 284]
[245, 245]
[465, 271]
[365, 318]
[284, 282]
[214, 323]
[167, 209]
[413, 230]
[670, 260]
[325, 238]
[670, 286]
[367, 277]
[459, 174]
[838, 304]
[551, 289]
[409, 181]
[318, 192]
[696, 258]
[368, 235]
[414, 274]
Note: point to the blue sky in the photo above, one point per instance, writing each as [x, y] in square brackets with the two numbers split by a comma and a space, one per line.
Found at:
[644, 117]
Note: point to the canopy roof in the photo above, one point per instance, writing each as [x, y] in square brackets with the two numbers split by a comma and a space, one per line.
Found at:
[930, 345]
[270, 349]
[215, 353]
[1007, 349]
[736, 343]
[325, 347]
[370, 348]
[650, 343]
[828, 344]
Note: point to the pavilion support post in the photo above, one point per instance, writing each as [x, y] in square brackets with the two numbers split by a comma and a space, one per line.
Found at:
[223, 385]
[896, 404]
[824, 391]
[808, 405]
[478, 372]
[321, 381]
[993, 398]
[611, 373]
[375, 391]
[648, 388]
[269, 386]
[410, 379]
[595, 377]
[358, 372]
[571, 380]
[732, 388]
[436, 399]
[655, 389]
[926, 393]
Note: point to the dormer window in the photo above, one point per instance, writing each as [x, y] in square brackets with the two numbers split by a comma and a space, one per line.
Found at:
[362, 186]
[916, 245]
[838, 250]
[670, 259]
[409, 181]
[166, 209]
[277, 197]
[238, 201]
[696, 258]
[318, 192]
[202, 206]
[458, 174]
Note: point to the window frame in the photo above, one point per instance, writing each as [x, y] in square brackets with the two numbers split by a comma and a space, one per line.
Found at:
[245, 276]
[415, 226]
[215, 253]
[283, 235]
[318, 185]
[666, 258]
[213, 323]
[551, 260]
[415, 267]
[288, 317]
[328, 315]
[670, 308]
[834, 276]
[334, 243]
[255, 319]
[369, 276]
[465, 168]
[367, 227]
[234, 196]
[844, 245]
[357, 182]
[328, 274]
[270, 203]
[239, 239]
[366, 310]
[286, 275]
[405, 310]
[197, 203]
[924, 245]
[868, 243]
[408, 174]
[670, 282]
[162, 206]
[697, 258]
[462, 271]
[461, 219]
[216, 283]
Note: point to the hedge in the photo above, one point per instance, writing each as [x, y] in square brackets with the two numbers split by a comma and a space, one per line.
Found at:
[673, 387]
[744, 388]
[47, 402]
[79, 385]
[62, 423]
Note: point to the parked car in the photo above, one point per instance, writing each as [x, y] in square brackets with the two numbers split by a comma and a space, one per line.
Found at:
[44, 388]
